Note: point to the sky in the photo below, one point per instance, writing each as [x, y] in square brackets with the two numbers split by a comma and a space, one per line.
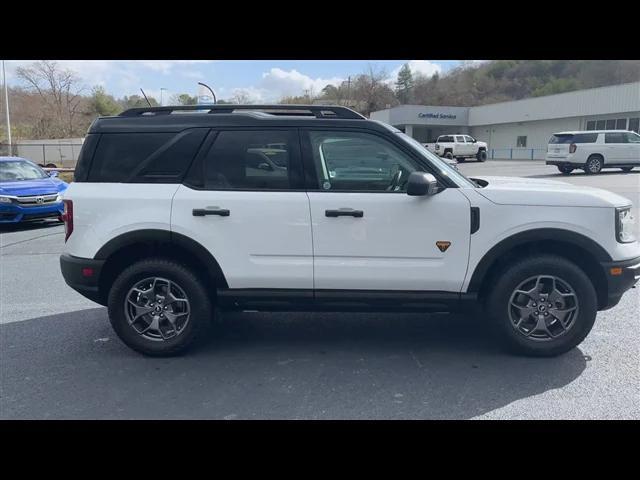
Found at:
[260, 80]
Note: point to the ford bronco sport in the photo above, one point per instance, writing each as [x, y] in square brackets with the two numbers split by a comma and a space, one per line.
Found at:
[178, 212]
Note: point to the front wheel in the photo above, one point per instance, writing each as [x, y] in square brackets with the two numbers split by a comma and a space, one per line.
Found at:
[448, 155]
[482, 156]
[542, 306]
[565, 170]
[158, 307]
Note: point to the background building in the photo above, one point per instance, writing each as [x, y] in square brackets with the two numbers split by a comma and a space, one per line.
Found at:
[521, 128]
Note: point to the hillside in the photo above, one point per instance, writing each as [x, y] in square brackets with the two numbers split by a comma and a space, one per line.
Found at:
[504, 80]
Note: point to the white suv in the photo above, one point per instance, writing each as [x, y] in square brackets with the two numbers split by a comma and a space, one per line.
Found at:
[594, 150]
[176, 213]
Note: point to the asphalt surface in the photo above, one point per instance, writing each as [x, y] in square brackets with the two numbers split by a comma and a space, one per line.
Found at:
[59, 358]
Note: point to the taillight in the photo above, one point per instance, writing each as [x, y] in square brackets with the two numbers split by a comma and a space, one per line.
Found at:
[67, 218]
[572, 148]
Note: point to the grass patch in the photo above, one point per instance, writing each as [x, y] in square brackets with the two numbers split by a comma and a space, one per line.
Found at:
[66, 176]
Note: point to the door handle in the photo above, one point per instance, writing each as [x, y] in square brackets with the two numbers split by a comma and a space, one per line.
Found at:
[344, 212]
[201, 212]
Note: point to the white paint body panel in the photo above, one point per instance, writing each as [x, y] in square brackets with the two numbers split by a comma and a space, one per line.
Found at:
[265, 242]
[393, 246]
[103, 211]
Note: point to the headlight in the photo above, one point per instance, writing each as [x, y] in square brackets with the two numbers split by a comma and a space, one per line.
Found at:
[59, 197]
[625, 223]
[5, 200]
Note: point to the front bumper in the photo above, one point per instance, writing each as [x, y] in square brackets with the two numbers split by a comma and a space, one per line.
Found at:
[621, 276]
[83, 274]
[12, 213]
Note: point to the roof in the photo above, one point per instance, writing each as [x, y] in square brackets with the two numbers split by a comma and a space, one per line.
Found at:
[575, 132]
[177, 118]
[9, 159]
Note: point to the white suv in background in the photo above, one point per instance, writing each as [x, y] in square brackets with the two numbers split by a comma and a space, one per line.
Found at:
[594, 150]
[176, 213]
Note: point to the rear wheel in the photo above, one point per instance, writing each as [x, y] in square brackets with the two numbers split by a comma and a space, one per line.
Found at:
[565, 170]
[51, 165]
[626, 169]
[594, 164]
[481, 156]
[158, 307]
[542, 306]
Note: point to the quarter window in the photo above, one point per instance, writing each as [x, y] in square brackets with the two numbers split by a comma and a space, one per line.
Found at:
[356, 161]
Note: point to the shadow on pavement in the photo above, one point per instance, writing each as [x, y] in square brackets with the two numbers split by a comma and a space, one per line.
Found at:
[580, 173]
[27, 226]
[285, 365]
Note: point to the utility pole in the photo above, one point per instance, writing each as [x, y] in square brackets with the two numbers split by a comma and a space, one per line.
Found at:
[6, 103]
[349, 91]
[161, 103]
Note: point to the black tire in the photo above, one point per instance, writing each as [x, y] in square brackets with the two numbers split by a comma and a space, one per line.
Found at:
[565, 170]
[448, 155]
[51, 165]
[626, 169]
[498, 306]
[482, 156]
[200, 303]
[594, 164]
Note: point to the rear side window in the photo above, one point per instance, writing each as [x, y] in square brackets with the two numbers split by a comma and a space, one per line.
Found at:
[145, 157]
[445, 138]
[84, 158]
[560, 139]
[119, 154]
[585, 138]
[252, 160]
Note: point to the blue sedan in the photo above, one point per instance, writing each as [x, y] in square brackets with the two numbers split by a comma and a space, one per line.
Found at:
[27, 192]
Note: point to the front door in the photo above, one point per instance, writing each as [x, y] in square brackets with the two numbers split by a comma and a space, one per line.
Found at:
[368, 234]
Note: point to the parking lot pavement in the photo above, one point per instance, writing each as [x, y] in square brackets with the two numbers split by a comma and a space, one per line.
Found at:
[60, 359]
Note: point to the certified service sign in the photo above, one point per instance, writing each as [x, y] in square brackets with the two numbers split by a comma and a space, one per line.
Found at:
[449, 116]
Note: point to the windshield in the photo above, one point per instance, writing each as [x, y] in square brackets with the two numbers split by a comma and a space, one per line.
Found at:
[442, 166]
[16, 170]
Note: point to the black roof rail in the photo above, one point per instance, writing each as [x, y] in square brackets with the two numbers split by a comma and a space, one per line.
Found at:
[319, 111]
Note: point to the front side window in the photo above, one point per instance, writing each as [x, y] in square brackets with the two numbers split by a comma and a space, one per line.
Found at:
[632, 137]
[469, 139]
[357, 161]
[251, 160]
[17, 170]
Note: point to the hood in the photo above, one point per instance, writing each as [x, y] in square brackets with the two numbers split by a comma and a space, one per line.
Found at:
[40, 186]
[552, 193]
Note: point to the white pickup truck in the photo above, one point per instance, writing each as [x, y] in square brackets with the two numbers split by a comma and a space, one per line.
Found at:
[460, 147]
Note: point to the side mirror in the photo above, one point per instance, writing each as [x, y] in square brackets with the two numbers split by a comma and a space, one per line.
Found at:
[53, 173]
[265, 166]
[421, 183]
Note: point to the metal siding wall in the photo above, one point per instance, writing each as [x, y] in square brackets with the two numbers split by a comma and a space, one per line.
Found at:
[592, 102]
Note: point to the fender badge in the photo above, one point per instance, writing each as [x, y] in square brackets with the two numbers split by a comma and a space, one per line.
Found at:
[443, 245]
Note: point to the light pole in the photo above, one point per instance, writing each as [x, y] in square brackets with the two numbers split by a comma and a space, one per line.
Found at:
[161, 102]
[6, 103]
[209, 88]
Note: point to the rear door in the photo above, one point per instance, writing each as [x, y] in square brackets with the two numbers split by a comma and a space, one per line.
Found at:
[243, 200]
[368, 234]
[633, 140]
[617, 150]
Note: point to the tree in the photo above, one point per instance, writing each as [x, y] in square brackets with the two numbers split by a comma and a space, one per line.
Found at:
[60, 93]
[103, 104]
[404, 84]
[137, 101]
[241, 97]
[184, 99]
